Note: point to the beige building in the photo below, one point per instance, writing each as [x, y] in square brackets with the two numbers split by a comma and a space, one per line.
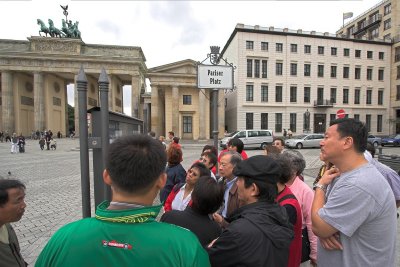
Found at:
[178, 105]
[382, 21]
[298, 80]
[35, 74]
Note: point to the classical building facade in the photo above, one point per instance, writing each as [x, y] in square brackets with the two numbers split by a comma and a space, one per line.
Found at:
[178, 105]
[382, 21]
[292, 79]
[35, 74]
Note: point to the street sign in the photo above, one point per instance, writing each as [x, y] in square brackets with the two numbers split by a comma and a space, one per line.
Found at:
[340, 114]
[214, 77]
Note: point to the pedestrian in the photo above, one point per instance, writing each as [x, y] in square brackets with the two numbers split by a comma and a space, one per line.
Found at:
[41, 143]
[353, 211]
[290, 133]
[279, 143]
[284, 133]
[125, 232]
[14, 143]
[47, 138]
[12, 208]
[2, 136]
[259, 233]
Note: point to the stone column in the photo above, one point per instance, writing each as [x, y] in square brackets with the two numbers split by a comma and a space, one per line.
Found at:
[175, 110]
[155, 116]
[39, 101]
[135, 97]
[76, 107]
[7, 95]
[112, 92]
[202, 115]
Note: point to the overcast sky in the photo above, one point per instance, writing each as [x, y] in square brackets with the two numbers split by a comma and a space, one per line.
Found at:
[170, 31]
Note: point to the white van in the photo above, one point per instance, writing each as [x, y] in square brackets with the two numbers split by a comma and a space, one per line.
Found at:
[250, 138]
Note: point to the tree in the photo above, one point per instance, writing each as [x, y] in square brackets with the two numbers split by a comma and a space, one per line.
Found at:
[71, 118]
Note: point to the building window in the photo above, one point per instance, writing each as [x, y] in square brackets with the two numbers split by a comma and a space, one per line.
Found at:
[307, 49]
[264, 46]
[374, 33]
[346, 71]
[332, 117]
[357, 73]
[387, 9]
[307, 69]
[278, 93]
[307, 94]
[264, 121]
[380, 97]
[187, 99]
[249, 92]
[379, 123]
[293, 94]
[387, 24]
[321, 50]
[264, 69]
[333, 51]
[257, 68]
[357, 53]
[368, 122]
[264, 93]
[187, 124]
[350, 30]
[320, 70]
[333, 71]
[346, 52]
[381, 74]
[345, 96]
[357, 117]
[278, 122]
[369, 54]
[387, 36]
[293, 69]
[333, 95]
[279, 47]
[369, 97]
[249, 121]
[249, 45]
[293, 48]
[369, 74]
[398, 92]
[357, 96]
[381, 55]
[279, 68]
[398, 72]
[293, 118]
[249, 68]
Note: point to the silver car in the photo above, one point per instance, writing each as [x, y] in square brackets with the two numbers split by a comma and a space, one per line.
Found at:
[305, 140]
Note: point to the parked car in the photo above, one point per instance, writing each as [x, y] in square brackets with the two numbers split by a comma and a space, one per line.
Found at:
[250, 138]
[376, 141]
[393, 140]
[304, 140]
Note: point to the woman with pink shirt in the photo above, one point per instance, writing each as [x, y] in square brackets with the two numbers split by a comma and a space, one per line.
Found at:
[304, 195]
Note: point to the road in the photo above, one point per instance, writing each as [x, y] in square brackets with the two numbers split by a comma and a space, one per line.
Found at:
[53, 194]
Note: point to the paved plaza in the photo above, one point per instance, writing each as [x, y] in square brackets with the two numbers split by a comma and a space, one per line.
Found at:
[53, 186]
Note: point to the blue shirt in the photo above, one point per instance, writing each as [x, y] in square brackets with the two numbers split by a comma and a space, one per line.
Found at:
[228, 187]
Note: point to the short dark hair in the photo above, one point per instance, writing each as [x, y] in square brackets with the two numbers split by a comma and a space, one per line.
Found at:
[210, 147]
[280, 139]
[152, 134]
[272, 150]
[203, 170]
[296, 159]
[5, 185]
[176, 140]
[135, 162]
[207, 195]
[285, 164]
[267, 191]
[354, 129]
[171, 133]
[213, 158]
[174, 155]
[236, 142]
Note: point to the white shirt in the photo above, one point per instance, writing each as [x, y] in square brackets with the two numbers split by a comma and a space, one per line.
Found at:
[180, 203]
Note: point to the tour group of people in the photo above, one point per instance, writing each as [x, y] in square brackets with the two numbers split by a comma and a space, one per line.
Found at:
[253, 211]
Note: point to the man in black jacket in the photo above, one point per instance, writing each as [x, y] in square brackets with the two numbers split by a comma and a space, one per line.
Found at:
[259, 233]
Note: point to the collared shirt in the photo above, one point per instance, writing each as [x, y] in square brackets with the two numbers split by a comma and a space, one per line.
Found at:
[180, 203]
[228, 187]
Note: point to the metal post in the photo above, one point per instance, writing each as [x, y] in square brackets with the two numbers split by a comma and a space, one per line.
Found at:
[105, 136]
[215, 116]
[83, 142]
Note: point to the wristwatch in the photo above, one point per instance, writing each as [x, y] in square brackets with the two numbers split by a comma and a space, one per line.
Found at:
[320, 186]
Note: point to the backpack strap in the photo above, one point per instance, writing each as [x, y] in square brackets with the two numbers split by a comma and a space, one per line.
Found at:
[289, 196]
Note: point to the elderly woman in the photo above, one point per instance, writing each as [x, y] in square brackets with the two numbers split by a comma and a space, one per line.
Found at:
[175, 172]
[304, 195]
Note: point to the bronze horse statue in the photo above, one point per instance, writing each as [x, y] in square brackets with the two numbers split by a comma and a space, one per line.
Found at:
[43, 28]
[54, 32]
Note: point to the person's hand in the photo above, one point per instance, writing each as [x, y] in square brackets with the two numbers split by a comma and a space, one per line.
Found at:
[212, 243]
[332, 242]
[329, 176]
[313, 263]
[218, 218]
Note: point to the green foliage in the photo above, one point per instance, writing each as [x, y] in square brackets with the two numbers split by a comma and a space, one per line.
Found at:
[71, 117]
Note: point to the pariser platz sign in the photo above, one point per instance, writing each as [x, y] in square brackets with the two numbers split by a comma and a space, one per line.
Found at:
[214, 76]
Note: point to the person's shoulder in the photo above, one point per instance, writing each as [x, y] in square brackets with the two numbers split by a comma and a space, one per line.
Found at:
[177, 233]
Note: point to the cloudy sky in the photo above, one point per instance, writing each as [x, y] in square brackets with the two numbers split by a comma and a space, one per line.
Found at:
[170, 31]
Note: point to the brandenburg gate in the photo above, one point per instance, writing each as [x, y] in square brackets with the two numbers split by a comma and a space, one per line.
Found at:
[35, 74]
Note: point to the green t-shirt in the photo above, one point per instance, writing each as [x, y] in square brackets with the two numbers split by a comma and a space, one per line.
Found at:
[123, 238]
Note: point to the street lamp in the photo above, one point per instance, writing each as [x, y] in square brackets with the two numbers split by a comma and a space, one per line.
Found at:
[307, 121]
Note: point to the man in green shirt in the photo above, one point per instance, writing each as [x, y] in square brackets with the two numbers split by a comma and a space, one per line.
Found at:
[124, 231]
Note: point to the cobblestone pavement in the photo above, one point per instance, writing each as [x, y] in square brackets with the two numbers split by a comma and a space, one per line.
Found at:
[53, 194]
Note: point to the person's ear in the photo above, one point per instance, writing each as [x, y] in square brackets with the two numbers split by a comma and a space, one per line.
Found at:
[106, 178]
[162, 179]
[254, 190]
